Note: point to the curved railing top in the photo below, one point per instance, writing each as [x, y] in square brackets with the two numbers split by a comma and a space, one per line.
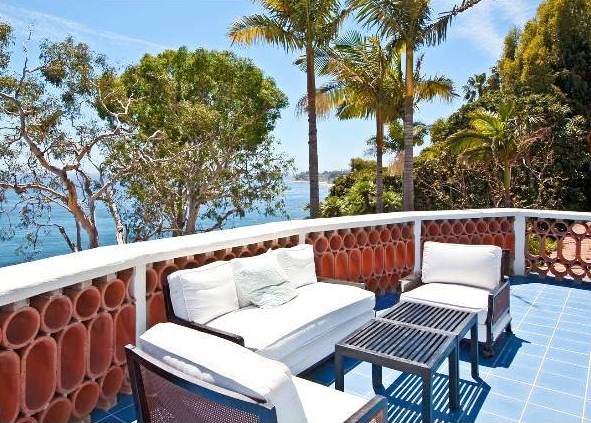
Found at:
[25, 280]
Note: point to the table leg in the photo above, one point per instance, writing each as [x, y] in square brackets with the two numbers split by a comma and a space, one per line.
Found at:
[474, 350]
[376, 378]
[427, 398]
[454, 379]
[339, 372]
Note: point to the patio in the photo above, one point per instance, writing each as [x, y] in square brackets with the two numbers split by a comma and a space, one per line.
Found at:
[539, 374]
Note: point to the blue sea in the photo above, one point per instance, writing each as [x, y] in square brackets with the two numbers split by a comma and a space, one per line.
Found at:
[296, 198]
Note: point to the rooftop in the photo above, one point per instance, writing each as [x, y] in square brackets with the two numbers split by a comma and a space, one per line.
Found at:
[539, 374]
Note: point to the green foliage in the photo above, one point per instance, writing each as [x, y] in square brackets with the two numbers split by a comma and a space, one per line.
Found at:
[552, 170]
[213, 114]
[553, 54]
[354, 193]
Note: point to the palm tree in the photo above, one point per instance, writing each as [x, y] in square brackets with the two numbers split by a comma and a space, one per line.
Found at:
[410, 25]
[497, 137]
[367, 81]
[296, 25]
[475, 87]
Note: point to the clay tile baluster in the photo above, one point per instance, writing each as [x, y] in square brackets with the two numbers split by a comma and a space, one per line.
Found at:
[38, 374]
[10, 385]
[84, 399]
[151, 280]
[156, 310]
[100, 344]
[72, 350]
[126, 384]
[54, 309]
[19, 324]
[59, 410]
[113, 293]
[86, 300]
[124, 320]
[109, 386]
[26, 419]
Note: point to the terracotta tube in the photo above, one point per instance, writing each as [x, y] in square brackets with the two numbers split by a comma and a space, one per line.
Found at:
[100, 344]
[113, 293]
[84, 399]
[341, 266]
[55, 311]
[156, 311]
[59, 410]
[151, 280]
[26, 419]
[19, 326]
[72, 350]
[109, 386]
[85, 301]
[124, 320]
[9, 386]
[38, 374]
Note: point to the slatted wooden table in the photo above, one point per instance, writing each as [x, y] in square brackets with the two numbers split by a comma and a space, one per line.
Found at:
[404, 347]
[452, 320]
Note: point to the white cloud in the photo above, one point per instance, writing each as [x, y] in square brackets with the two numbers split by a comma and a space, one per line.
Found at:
[485, 25]
[44, 25]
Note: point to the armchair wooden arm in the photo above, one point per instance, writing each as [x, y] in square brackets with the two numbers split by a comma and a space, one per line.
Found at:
[372, 412]
[499, 302]
[410, 282]
[342, 282]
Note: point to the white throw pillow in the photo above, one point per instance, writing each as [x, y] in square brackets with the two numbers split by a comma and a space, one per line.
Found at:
[261, 281]
[227, 365]
[474, 265]
[204, 293]
[298, 264]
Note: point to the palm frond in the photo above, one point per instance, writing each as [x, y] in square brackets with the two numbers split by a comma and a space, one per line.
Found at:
[436, 32]
[260, 28]
[438, 86]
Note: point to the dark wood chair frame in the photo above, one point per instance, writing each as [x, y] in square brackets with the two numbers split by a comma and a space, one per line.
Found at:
[171, 317]
[499, 301]
[374, 410]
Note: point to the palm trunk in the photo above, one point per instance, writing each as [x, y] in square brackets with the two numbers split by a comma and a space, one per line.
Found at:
[408, 184]
[507, 186]
[379, 166]
[312, 134]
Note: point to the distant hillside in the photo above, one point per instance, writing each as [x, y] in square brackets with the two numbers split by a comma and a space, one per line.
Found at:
[328, 176]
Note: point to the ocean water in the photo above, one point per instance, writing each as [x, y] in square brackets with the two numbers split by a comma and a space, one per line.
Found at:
[296, 198]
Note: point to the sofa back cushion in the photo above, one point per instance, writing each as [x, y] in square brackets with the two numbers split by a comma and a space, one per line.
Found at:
[202, 294]
[473, 265]
[227, 365]
[261, 281]
[298, 264]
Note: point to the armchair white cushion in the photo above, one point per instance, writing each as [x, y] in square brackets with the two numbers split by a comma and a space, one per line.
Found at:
[227, 365]
[298, 264]
[473, 265]
[202, 294]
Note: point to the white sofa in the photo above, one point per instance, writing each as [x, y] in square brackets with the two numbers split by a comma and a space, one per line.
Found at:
[244, 378]
[468, 277]
[298, 333]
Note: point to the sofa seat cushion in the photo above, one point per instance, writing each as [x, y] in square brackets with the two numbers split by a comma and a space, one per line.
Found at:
[227, 365]
[326, 405]
[447, 294]
[318, 309]
[474, 265]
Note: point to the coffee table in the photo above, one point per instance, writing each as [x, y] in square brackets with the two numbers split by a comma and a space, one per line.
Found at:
[455, 321]
[404, 347]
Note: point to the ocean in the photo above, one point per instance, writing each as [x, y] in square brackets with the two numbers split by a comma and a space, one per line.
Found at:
[296, 197]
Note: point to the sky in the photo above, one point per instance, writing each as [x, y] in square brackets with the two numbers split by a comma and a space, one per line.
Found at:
[125, 30]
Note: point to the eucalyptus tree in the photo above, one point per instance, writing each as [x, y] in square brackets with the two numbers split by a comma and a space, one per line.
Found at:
[367, 81]
[296, 26]
[410, 24]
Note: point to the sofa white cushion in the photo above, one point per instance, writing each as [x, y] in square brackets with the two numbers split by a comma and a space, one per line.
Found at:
[326, 405]
[261, 281]
[204, 293]
[475, 265]
[298, 264]
[315, 314]
[227, 365]
[453, 295]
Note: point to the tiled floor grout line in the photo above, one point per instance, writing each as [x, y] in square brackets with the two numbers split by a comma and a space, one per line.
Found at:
[586, 390]
[540, 405]
[543, 357]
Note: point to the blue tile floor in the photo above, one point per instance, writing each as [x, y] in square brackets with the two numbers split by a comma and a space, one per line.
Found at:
[540, 373]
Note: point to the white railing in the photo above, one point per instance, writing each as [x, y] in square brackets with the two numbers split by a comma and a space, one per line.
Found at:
[22, 281]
